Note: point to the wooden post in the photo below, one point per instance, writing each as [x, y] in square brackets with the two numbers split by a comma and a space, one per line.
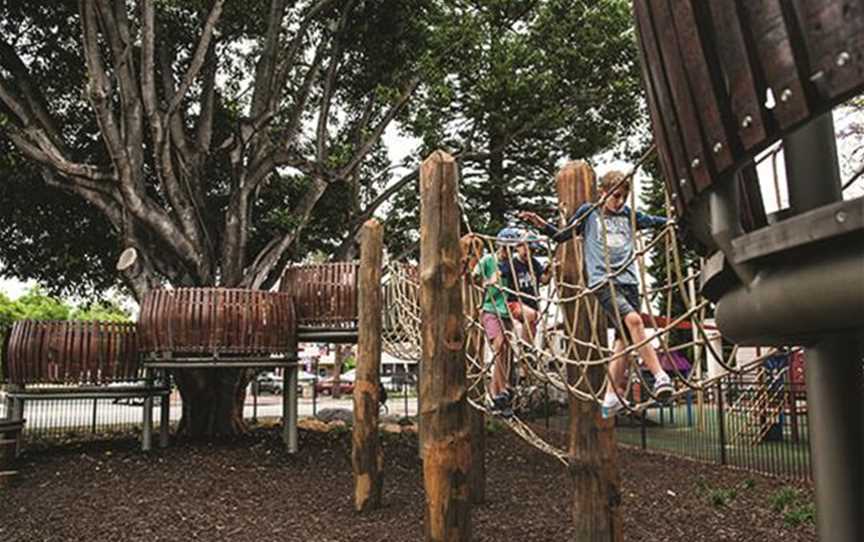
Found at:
[593, 456]
[367, 458]
[444, 420]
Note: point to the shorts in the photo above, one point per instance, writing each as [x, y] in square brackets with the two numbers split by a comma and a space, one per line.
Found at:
[627, 301]
[516, 307]
[494, 324]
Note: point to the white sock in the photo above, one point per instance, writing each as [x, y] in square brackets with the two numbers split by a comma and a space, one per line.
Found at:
[610, 398]
[662, 376]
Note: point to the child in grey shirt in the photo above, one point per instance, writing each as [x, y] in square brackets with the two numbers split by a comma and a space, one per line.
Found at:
[609, 238]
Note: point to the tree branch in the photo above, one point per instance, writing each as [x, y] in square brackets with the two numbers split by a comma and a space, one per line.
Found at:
[198, 57]
[255, 276]
[373, 139]
[329, 86]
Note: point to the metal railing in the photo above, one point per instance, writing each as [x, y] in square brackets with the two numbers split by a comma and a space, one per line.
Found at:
[758, 424]
[66, 419]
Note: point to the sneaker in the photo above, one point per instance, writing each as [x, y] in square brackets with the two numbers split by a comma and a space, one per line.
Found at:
[500, 405]
[610, 407]
[663, 388]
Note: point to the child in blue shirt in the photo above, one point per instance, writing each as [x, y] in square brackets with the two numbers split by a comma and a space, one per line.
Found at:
[608, 236]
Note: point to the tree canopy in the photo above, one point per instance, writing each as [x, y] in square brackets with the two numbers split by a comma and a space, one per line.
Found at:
[203, 134]
[221, 139]
[535, 83]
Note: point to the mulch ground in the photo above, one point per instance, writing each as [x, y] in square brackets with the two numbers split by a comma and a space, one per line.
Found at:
[250, 489]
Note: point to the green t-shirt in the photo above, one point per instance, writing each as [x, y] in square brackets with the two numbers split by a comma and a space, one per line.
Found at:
[494, 300]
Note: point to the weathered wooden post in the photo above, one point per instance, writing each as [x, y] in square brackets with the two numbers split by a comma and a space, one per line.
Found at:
[444, 419]
[593, 456]
[367, 457]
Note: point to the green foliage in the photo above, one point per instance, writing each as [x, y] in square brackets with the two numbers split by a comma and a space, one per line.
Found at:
[794, 506]
[803, 513]
[350, 362]
[101, 311]
[525, 85]
[722, 496]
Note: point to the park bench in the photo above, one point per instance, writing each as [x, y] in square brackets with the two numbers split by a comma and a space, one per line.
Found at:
[60, 360]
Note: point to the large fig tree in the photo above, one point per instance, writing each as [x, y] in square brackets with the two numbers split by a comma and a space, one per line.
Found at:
[201, 133]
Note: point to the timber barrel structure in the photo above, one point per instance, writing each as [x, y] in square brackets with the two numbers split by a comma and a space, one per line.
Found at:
[217, 327]
[325, 296]
[57, 360]
[72, 353]
[724, 80]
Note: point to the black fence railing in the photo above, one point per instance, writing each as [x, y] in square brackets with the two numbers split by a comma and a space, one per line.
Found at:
[756, 422]
[753, 422]
[65, 419]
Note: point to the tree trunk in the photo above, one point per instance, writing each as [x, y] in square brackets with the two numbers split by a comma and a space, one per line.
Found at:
[212, 401]
[498, 206]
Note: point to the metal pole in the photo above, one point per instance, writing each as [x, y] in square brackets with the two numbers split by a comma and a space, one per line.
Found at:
[147, 429]
[255, 397]
[315, 391]
[643, 432]
[812, 172]
[289, 409]
[93, 421]
[836, 429]
[165, 411]
[721, 423]
[16, 413]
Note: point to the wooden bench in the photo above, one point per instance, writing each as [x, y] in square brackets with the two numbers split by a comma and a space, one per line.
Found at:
[59, 360]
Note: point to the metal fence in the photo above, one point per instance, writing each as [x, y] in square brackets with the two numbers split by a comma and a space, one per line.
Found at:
[746, 423]
[63, 420]
[757, 422]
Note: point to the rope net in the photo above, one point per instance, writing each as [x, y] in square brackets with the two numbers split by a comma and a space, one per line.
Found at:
[565, 343]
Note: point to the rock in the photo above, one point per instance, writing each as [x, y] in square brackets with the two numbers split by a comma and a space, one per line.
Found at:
[332, 414]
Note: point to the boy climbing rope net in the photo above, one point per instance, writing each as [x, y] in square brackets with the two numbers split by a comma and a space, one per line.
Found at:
[610, 271]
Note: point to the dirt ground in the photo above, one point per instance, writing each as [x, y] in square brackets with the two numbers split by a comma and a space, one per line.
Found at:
[250, 489]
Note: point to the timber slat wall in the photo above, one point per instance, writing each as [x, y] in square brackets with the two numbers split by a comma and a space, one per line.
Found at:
[708, 68]
[325, 295]
[217, 321]
[71, 352]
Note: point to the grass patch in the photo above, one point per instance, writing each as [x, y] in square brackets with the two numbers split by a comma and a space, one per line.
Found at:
[793, 506]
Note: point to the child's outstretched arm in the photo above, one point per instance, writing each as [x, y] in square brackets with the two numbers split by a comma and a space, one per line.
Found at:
[557, 235]
[644, 221]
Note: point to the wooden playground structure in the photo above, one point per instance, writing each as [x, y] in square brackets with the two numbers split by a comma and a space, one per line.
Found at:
[724, 81]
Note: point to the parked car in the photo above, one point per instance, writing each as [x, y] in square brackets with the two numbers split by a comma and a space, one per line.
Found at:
[270, 383]
[325, 385]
